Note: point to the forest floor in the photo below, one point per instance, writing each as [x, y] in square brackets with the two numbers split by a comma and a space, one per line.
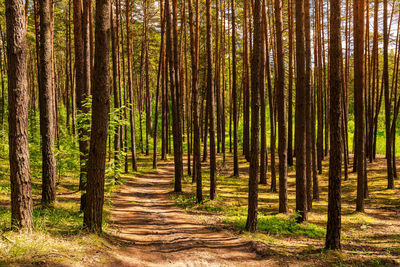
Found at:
[158, 227]
[146, 224]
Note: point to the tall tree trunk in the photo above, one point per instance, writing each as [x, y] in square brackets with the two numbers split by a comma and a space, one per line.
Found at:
[257, 84]
[263, 138]
[161, 66]
[101, 106]
[46, 98]
[300, 122]
[210, 90]
[130, 86]
[290, 87]
[388, 104]
[18, 101]
[172, 46]
[80, 95]
[359, 100]
[281, 109]
[308, 102]
[335, 159]
[234, 95]
[116, 91]
[246, 89]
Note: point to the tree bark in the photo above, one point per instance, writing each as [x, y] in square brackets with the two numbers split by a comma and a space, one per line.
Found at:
[359, 100]
[46, 98]
[281, 109]
[234, 95]
[100, 106]
[18, 101]
[300, 123]
[257, 84]
[335, 159]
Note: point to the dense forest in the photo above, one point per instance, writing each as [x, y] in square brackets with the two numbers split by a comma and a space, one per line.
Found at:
[199, 132]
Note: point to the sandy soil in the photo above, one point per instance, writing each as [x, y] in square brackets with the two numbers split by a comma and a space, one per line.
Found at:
[153, 232]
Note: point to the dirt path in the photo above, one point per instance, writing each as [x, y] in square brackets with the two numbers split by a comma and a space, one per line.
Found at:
[156, 233]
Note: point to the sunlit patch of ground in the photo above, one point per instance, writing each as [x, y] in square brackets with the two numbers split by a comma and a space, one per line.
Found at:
[370, 238]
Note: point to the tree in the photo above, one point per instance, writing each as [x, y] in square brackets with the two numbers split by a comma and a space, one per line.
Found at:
[130, 86]
[194, 52]
[359, 100]
[81, 95]
[388, 97]
[300, 123]
[211, 112]
[246, 89]
[159, 84]
[335, 159]
[173, 61]
[46, 99]
[100, 111]
[257, 84]
[234, 95]
[18, 99]
[281, 110]
[290, 87]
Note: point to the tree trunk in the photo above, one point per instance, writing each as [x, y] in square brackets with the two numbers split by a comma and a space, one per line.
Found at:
[234, 95]
[101, 107]
[335, 159]
[359, 100]
[18, 101]
[130, 86]
[281, 109]
[257, 88]
[46, 98]
[388, 104]
[290, 87]
[300, 122]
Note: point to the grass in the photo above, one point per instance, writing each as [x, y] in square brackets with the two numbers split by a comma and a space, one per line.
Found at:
[279, 225]
[368, 239]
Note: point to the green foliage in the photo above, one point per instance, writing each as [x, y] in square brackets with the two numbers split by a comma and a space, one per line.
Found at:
[279, 225]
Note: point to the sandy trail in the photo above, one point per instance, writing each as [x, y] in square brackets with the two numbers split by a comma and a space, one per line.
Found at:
[156, 233]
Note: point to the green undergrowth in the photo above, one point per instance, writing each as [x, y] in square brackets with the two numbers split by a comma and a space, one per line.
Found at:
[233, 215]
[279, 225]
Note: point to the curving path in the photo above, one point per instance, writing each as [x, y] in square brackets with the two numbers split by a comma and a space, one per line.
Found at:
[156, 233]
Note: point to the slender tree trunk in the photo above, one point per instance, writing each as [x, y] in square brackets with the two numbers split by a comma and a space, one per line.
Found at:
[290, 87]
[359, 100]
[308, 107]
[116, 91]
[257, 84]
[130, 86]
[172, 45]
[245, 82]
[210, 90]
[46, 98]
[234, 95]
[281, 109]
[159, 82]
[387, 98]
